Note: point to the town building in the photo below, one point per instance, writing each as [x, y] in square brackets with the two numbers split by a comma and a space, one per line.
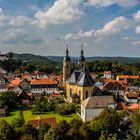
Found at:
[3, 57]
[93, 106]
[107, 74]
[43, 86]
[4, 85]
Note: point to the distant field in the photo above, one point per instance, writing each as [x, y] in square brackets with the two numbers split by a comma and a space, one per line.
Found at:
[29, 116]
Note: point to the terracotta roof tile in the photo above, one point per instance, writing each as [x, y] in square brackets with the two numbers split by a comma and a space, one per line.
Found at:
[134, 106]
[128, 77]
[121, 106]
[43, 81]
[15, 82]
[107, 72]
[39, 121]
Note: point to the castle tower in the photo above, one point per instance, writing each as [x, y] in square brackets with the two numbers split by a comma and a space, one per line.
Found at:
[81, 61]
[66, 67]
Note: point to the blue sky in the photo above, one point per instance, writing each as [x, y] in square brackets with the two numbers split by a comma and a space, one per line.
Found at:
[44, 27]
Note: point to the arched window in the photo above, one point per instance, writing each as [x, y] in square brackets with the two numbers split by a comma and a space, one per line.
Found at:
[86, 94]
[67, 65]
[70, 92]
[82, 66]
[80, 93]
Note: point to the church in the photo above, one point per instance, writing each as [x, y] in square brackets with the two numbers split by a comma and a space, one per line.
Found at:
[79, 84]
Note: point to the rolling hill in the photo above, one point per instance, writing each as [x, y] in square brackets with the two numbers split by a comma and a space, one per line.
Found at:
[122, 60]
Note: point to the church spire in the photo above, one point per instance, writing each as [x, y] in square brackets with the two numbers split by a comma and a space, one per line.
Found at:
[81, 62]
[82, 58]
[67, 54]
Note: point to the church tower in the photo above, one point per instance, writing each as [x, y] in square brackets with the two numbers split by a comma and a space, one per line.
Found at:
[66, 67]
[82, 61]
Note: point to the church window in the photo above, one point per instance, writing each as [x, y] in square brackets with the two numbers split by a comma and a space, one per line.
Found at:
[70, 92]
[80, 93]
[86, 94]
[67, 65]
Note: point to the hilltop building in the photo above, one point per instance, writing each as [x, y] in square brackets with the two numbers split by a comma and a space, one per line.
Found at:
[78, 85]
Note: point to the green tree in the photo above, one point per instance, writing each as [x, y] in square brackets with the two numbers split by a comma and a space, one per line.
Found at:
[6, 131]
[9, 99]
[43, 129]
[135, 123]
[85, 132]
[28, 129]
[74, 131]
[18, 122]
[61, 130]
[107, 121]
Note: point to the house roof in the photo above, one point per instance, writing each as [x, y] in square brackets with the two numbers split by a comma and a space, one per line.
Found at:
[131, 95]
[81, 78]
[85, 79]
[121, 106]
[38, 121]
[74, 77]
[107, 72]
[98, 102]
[113, 85]
[128, 76]
[2, 71]
[134, 106]
[43, 81]
[15, 82]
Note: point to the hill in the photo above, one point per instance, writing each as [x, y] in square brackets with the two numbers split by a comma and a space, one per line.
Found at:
[122, 60]
[34, 59]
[57, 60]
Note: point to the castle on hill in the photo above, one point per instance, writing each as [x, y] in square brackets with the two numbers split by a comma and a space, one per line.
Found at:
[79, 84]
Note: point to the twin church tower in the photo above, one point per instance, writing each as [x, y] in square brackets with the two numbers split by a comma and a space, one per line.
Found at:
[67, 65]
[79, 84]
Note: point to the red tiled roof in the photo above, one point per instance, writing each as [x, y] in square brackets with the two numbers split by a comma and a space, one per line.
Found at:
[15, 82]
[56, 94]
[128, 77]
[123, 82]
[39, 121]
[107, 72]
[132, 95]
[43, 81]
[121, 106]
[134, 107]
[113, 85]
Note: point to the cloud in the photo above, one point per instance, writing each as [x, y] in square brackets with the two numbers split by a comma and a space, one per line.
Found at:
[2, 16]
[20, 21]
[79, 35]
[63, 11]
[137, 16]
[13, 35]
[114, 26]
[107, 3]
[136, 42]
[128, 38]
[138, 30]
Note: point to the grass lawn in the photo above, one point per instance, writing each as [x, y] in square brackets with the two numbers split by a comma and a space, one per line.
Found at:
[12, 116]
[29, 116]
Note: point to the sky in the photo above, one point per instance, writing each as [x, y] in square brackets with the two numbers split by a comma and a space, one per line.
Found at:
[44, 27]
